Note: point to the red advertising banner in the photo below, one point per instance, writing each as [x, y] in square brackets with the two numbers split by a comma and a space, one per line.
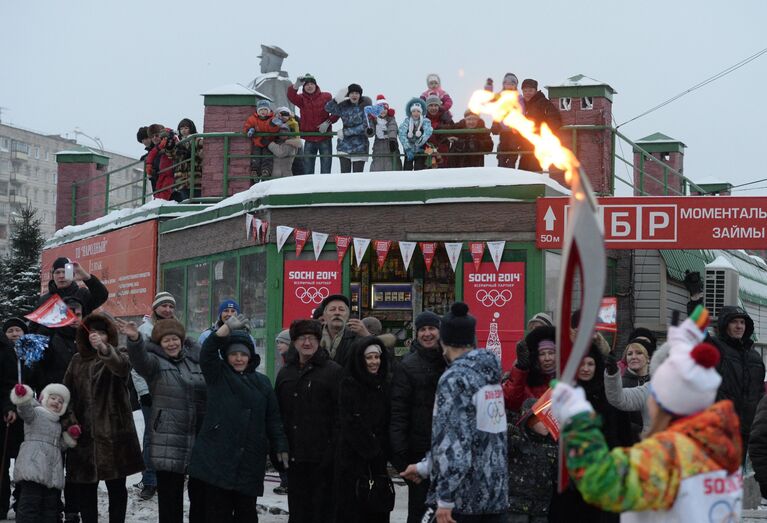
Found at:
[665, 222]
[301, 236]
[607, 320]
[497, 300]
[342, 245]
[124, 260]
[428, 249]
[305, 285]
[477, 250]
[382, 250]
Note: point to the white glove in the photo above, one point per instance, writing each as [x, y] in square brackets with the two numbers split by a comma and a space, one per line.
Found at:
[341, 96]
[340, 134]
[568, 401]
[238, 322]
[297, 83]
[323, 127]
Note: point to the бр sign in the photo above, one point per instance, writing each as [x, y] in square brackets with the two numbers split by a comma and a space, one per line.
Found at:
[664, 222]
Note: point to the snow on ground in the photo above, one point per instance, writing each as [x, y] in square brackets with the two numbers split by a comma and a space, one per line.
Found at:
[145, 511]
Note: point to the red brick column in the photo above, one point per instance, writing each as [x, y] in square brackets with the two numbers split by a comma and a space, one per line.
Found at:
[87, 169]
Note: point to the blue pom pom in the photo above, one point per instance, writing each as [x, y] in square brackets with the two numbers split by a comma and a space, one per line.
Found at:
[30, 348]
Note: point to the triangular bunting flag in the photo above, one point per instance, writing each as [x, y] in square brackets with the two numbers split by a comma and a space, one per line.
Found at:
[283, 233]
[264, 232]
[360, 247]
[428, 249]
[257, 226]
[407, 249]
[318, 242]
[342, 245]
[248, 225]
[453, 253]
[477, 250]
[496, 252]
[302, 236]
[382, 250]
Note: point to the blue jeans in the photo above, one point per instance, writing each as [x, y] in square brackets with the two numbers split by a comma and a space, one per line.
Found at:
[149, 477]
[325, 148]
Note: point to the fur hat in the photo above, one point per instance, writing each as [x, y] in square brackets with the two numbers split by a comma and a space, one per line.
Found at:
[142, 134]
[413, 130]
[373, 325]
[59, 263]
[433, 76]
[529, 82]
[687, 381]
[426, 319]
[166, 327]
[433, 99]
[263, 104]
[301, 327]
[511, 78]
[458, 327]
[56, 389]
[15, 322]
[354, 88]
[163, 297]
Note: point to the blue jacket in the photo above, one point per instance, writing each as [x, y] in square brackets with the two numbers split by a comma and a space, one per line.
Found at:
[412, 144]
[468, 455]
[355, 141]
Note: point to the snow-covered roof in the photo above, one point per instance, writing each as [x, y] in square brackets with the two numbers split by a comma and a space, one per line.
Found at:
[114, 220]
[581, 80]
[368, 188]
[720, 263]
[236, 89]
[658, 138]
[82, 150]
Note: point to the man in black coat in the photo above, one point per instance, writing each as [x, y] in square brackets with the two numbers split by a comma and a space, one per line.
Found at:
[540, 110]
[92, 296]
[413, 389]
[741, 367]
[307, 392]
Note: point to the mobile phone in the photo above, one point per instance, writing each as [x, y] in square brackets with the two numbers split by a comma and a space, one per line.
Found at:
[69, 271]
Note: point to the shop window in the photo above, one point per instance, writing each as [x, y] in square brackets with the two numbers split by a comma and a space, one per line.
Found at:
[198, 302]
[439, 284]
[173, 282]
[587, 103]
[565, 104]
[253, 299]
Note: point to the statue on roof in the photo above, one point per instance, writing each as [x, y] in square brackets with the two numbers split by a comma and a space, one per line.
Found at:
[273, 81]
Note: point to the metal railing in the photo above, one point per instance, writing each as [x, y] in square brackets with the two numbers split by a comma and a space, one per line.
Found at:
[672, 181]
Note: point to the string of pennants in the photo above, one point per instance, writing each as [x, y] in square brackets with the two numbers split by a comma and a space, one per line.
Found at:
[259, 230]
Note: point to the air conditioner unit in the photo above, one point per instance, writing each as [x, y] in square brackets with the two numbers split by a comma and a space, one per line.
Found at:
[720, 286]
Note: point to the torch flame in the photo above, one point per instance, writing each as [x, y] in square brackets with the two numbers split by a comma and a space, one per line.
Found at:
[506, 108]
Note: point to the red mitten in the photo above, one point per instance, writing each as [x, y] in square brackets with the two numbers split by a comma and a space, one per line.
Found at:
[20, 390]
[75, 431]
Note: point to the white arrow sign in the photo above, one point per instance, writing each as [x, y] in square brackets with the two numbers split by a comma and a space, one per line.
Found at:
[549, 218]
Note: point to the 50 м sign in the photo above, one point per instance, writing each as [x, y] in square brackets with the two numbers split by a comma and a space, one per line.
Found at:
[663, 222]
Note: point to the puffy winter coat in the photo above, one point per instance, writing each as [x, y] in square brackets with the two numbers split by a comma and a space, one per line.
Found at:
[412, 144]
[40, 459]
[242, 421]
[757, 445]
[741, 368]
[313, 111]
[363, 413]
[178, 402]
[261, 125]
[475, 142]
[413, 388]
[108, 447]
[355, 139]
[308, 398]
[182, 157]
[688, 472]
[386, 132]
[284, 154]
[468, 438]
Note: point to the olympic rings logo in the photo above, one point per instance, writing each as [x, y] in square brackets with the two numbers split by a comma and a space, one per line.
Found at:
[495, 412]
[309, 295]
[493, 297]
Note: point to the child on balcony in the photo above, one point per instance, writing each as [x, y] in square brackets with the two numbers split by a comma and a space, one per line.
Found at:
[414, 133]
[261, 162]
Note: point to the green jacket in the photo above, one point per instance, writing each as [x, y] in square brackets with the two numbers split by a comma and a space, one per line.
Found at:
[242, 421]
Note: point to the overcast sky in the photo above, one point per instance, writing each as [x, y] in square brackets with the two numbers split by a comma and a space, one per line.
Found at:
[109, 67]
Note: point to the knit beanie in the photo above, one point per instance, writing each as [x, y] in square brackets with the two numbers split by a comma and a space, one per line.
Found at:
[163, 297]
[529, 82]
[542, 317]
[263, 103]
[644, 337]
[433, 99]
[15, 322]
[687, 381]
[426, 319]
[301, 327]
[237, 347]
[283, 337]
[60, 262]
[458, 327]
[56, 389]
[309, 79]
[228, 304]
[166, 327]
[354, 88]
